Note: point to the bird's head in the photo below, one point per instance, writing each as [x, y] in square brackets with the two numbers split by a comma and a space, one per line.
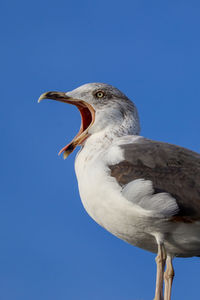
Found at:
[101, 106]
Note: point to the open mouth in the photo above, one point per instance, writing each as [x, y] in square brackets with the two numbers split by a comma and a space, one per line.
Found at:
[87, 118]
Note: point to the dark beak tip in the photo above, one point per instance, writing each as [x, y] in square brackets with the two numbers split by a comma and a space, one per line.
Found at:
[53, 95]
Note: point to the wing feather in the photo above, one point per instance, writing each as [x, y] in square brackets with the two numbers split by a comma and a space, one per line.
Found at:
[170, 168]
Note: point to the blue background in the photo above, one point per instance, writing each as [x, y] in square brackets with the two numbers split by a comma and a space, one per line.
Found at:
[50, 248]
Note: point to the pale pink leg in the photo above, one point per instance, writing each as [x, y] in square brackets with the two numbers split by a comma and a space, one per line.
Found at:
[168, 277]
[160, 260]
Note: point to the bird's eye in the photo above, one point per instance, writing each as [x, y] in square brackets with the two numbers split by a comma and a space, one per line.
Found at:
[99, 94]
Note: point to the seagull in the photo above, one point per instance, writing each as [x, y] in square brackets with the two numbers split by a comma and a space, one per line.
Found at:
[145, 192]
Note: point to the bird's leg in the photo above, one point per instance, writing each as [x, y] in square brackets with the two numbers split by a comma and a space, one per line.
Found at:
[168, 277]
[160, 261]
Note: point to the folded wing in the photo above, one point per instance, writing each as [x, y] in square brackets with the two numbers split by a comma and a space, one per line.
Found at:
[160, 176]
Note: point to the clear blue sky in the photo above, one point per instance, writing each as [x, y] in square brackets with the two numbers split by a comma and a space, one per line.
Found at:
[50, 249]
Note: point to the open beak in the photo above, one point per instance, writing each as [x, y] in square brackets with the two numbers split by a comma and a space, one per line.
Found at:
[87, 118]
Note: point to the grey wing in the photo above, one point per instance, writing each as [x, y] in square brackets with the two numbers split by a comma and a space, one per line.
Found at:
[171, 170]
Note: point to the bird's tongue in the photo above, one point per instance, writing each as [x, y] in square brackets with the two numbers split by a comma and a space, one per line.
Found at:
[87, 119]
